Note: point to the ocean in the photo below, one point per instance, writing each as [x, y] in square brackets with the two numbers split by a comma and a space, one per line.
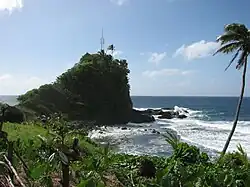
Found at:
[207, 125]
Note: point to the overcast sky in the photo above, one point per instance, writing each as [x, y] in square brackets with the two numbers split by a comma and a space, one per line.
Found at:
[168, 43]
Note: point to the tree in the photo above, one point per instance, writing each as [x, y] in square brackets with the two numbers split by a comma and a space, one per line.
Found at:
[236, 38]
[111, 48]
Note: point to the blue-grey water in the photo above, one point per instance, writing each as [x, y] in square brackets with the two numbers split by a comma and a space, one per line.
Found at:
[207, 126]
[215, 108]
[9, 99]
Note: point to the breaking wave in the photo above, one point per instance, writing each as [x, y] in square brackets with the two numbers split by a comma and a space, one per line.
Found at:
[197, 129]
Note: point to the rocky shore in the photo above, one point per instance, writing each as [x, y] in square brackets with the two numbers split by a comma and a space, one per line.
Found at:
[147, 116]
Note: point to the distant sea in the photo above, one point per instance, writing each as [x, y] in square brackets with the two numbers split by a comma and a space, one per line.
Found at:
[9, 99]
[207, 126]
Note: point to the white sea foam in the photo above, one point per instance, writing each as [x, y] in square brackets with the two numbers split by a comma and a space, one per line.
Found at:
[211, 135]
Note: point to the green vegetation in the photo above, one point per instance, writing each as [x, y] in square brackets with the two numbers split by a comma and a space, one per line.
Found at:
[52, 155]
[236, 38]
[96, 88]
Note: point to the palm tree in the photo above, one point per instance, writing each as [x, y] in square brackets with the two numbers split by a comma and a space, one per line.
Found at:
[236, 38]
[111, 48]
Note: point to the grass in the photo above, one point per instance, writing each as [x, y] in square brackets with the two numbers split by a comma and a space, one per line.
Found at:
[24, 132]
[31, 131]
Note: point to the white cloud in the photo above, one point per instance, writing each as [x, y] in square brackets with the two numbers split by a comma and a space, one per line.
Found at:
[196, 50]
[14, 85]
[166, 72]
[115, 54]
[157, 57]
[5, 76]
[10, 5]
[119, 2]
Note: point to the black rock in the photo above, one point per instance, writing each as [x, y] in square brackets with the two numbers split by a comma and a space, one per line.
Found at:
[182, 116]
[139, 117]
[167, 115]
[145, 129]
[124, 128]
[155, 131]
[147, 169]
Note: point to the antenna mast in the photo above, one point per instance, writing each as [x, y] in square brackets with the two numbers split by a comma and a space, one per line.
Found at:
[102, 41]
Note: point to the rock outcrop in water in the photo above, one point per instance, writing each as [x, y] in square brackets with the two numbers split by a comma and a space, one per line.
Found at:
[141, 117]
[166, 113]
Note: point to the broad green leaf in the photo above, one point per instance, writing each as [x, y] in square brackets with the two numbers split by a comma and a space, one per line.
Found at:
[42, 138]
[51, 157]
[87, 183]
[63, 157]
[37, 172]
[228, 179]
[166, 181]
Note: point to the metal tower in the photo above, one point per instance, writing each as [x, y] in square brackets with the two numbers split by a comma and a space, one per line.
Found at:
[102, 41]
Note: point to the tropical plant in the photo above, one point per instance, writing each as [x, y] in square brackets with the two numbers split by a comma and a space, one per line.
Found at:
[236, 38]
[111, 48]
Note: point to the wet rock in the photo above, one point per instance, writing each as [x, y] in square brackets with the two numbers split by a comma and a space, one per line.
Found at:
[182, 116]
[101, 132]
[155, 131]
[145, 129]
[167, 115]
[140, 117]
[124, 128]
[147, 169]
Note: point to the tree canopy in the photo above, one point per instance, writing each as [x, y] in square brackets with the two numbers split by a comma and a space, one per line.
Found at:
[96, 88]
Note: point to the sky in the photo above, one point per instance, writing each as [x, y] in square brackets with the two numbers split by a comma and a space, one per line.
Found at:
[168, 43]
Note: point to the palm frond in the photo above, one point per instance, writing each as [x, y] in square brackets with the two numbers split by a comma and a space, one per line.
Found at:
[235, 56]
[111, 47]
[228, 48]
[237, 28]
[229, 37]
[172, 139]
[241, 60]
[241, 150]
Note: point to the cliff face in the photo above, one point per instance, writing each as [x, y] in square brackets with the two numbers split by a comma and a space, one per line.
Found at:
[96, 88]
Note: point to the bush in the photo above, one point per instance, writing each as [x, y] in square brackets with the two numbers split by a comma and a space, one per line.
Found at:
[12, 114]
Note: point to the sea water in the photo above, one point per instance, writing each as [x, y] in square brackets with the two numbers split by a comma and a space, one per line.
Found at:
[207, 126]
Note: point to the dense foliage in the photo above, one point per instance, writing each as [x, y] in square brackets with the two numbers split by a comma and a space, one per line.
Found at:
[45, 150]
[96, 88]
